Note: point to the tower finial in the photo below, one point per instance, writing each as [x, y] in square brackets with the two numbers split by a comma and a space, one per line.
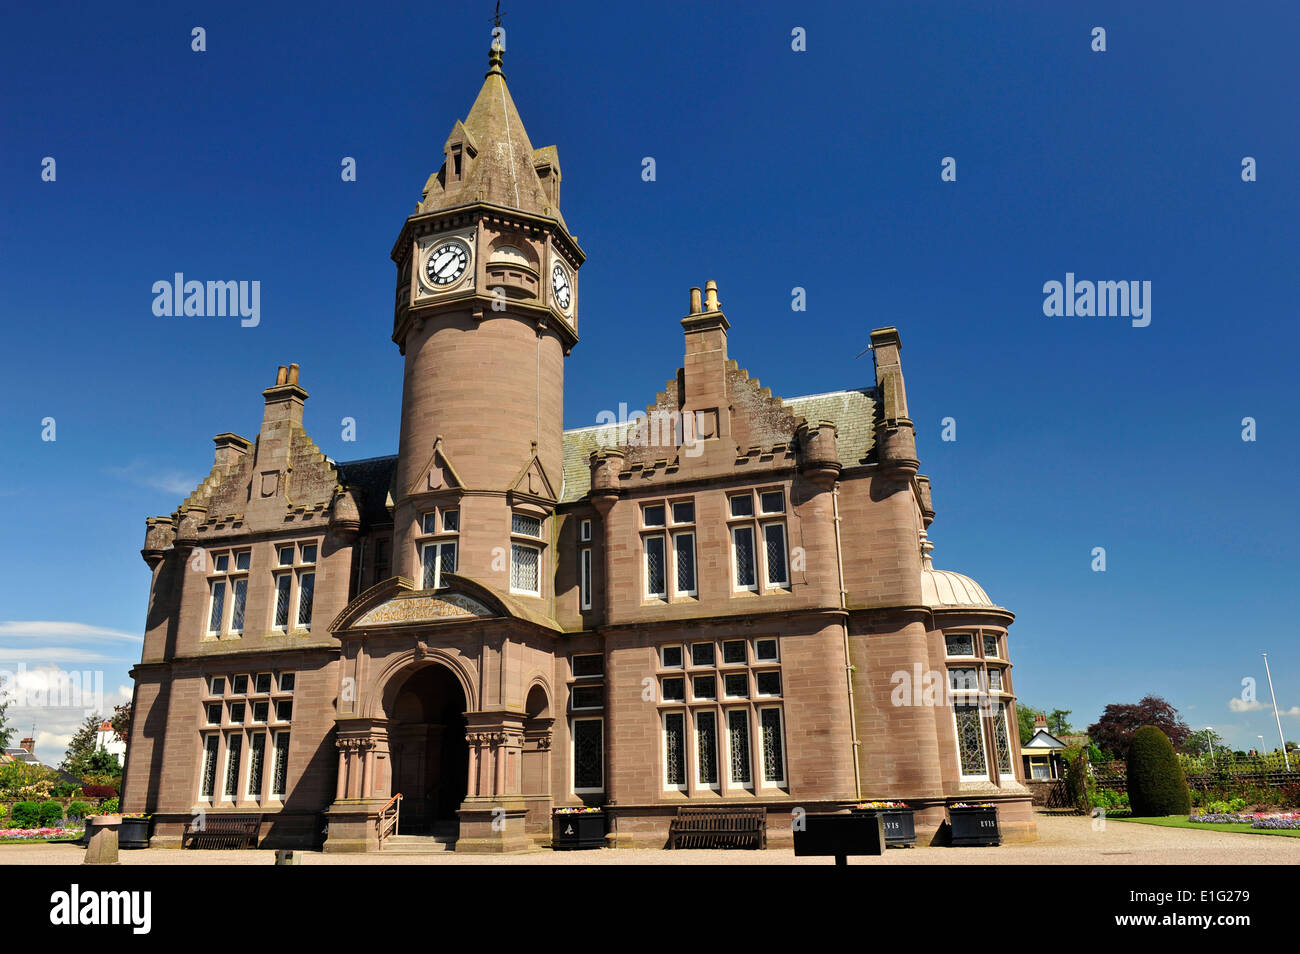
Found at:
[498, 47]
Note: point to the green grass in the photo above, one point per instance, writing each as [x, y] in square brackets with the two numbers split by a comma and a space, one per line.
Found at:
[1178, 821]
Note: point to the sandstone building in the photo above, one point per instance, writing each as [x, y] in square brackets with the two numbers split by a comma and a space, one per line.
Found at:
[727, 602]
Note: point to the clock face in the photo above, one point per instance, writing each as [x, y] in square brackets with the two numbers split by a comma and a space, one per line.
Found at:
[446, 264]
[560, 283]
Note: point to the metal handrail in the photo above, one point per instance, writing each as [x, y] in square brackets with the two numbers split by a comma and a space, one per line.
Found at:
[387, 823]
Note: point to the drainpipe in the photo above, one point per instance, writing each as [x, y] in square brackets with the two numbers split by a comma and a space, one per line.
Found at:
[848, 662]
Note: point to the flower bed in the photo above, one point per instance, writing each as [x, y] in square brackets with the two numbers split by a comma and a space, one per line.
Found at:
[38, 834]
[1271, 820]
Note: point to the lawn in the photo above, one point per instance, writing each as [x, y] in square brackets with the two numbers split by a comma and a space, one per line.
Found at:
[1178, 821]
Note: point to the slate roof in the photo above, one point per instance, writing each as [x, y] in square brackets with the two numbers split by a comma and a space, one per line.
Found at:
[502, 170]
[373, 476]
[853, 412]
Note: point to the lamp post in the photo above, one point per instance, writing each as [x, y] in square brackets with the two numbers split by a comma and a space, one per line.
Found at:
[1286, 758]
[1210, 738]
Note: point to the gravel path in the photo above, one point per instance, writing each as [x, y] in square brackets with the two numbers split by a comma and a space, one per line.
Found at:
[1068, 840]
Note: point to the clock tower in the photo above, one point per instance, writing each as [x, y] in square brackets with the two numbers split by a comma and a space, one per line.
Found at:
[486, 312]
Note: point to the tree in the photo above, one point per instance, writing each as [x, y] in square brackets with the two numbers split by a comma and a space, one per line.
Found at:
[1156, 784]
[76, 759]
[1025, 716]
[1058, 722]
[121, 721]
[1114, 731]
[1079, 783]
[1204, 742]
[6, 730]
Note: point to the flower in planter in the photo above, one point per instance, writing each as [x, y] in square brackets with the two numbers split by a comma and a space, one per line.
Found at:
[974, 805]
[880, 806]
[577, 811]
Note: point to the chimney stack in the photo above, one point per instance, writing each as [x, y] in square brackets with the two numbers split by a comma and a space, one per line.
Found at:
[29, 745]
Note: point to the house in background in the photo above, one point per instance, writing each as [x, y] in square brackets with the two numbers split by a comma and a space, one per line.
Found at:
[1042, 754]
[108, 740]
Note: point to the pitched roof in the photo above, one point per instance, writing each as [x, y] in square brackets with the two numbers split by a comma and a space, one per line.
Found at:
[373, 476]
[853, 412]
[500, 168]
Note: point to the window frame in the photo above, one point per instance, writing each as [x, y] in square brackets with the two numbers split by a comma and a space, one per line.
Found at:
[573, 756]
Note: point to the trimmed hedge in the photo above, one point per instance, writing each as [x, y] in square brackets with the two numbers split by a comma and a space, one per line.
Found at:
[1156, 784]
[27, 815]
[79, 809]
[51, 814]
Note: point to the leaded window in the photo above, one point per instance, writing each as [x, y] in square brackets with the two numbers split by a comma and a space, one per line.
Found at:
[208, 778]
[1001, 742]
[240, 594]
[280, 767]
[774, 540]
[282, 584]
[525, 566]
[964, 680]
[588, 755]
[768, 683]
[733, 651]
[306, 591]
[736, 685]
[256, 749]
[991, 647]
[684, 553]
[701, 654]
[738, 746]
[995, 680]
[960, 644]
[234, 743]
[970, 740]
[706, 740]
[584, 577]
[654, 567]
[773, 746]
[675, 750]
[525, 526]
[674, 690]
[218, 606]
[437, 559]
[704, 687]
[742, 546]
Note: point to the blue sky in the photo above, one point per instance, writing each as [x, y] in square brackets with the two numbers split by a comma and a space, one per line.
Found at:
[775, 169]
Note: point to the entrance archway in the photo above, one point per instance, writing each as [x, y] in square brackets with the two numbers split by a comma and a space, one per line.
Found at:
[426, 740]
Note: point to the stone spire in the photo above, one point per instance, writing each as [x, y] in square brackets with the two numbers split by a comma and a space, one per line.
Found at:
[489, 158]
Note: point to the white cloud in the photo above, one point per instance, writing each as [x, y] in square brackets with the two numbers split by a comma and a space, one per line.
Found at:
[57, 701]
[53, 654]
[59, 629]
[1254, 705]
[145, 475]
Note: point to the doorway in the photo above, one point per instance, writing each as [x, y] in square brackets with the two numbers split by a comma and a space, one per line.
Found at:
[426, 739]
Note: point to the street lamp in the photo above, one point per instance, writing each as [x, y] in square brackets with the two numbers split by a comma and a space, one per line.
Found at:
[1277, 717]
[1210, 738]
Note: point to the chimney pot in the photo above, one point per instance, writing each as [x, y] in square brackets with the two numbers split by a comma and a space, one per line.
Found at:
[695, 301]
[281, 375]
[711, 296]
[293, 374]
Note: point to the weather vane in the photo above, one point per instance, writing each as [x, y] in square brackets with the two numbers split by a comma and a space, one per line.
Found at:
[496, 17]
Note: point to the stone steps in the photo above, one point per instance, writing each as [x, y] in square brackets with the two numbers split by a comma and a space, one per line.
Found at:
[418, 844]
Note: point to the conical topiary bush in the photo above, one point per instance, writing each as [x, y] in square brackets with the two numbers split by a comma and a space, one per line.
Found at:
[1156, 784]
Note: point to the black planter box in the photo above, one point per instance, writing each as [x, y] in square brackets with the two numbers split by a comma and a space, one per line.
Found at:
[133, 833]
[579, 830]
[839, 836]
[900, 825]
[974, 826]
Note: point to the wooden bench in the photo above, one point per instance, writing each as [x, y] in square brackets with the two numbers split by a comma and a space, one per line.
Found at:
[222, 831]
[718, 828]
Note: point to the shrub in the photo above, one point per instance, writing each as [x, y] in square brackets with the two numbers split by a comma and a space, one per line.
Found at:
[78, 809]
[27, 815]
[98, 791]
[4, 810]
[1156, 784]
[108, 806]
[64, 790]
[1078, 782]
[51, 814]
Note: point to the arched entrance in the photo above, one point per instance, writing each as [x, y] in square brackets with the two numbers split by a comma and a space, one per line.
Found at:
[426, 740]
